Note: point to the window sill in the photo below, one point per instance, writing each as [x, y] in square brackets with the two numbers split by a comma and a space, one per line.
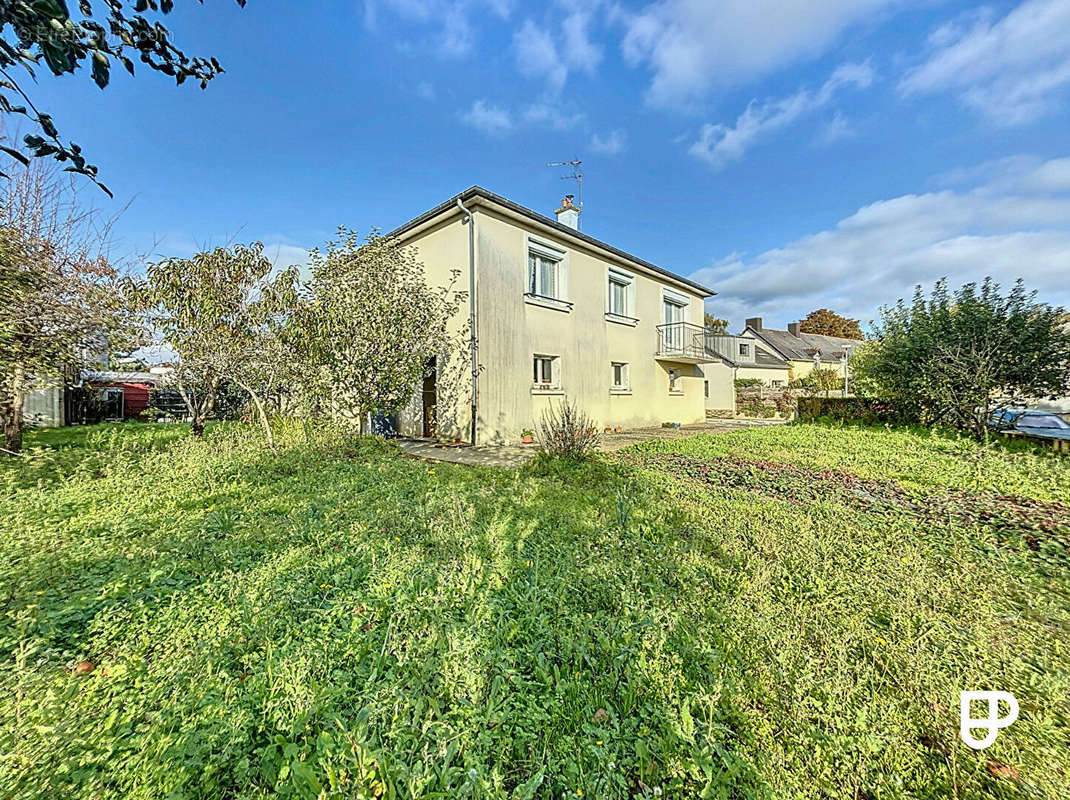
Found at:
[676, 394]
[548, 391]
[620, 391]
[620, 319]
[548, 302]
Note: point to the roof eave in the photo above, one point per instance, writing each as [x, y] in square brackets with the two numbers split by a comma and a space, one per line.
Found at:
[478, 192]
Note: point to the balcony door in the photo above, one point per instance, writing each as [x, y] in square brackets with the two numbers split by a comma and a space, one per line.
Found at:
[674, 333]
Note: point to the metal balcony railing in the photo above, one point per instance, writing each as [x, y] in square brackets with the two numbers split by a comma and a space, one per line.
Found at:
[685, 341]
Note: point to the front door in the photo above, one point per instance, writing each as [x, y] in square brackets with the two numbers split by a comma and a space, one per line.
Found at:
[430, 400]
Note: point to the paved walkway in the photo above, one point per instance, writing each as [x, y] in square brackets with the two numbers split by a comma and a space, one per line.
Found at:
[516, 455]
[615, 441]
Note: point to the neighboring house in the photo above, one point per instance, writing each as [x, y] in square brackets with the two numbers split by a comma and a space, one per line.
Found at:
[804, 352]
[47, 407]
[123, 395]
[558, 315]
[750, 358]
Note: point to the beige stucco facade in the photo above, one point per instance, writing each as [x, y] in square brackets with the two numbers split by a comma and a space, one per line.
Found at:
[575, 332]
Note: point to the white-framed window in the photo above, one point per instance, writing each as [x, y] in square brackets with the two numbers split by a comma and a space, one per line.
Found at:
[744, 349]
[620, 296]
[673, 307]
[619, 378]
[547, 272]
[545, 373]
[675, 387]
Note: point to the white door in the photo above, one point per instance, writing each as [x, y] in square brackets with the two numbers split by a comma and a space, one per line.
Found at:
[674, 334]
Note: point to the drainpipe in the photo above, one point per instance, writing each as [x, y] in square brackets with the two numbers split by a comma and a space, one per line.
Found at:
[472, 346]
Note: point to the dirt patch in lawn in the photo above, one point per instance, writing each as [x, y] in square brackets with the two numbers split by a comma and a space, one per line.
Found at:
[1034, 521]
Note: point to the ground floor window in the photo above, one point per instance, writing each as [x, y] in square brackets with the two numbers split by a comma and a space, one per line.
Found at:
[545, 372]
[619, 377]
[675, 386]
[706, 388]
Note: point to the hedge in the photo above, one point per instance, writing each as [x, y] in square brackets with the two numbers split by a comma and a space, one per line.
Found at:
[853, 409]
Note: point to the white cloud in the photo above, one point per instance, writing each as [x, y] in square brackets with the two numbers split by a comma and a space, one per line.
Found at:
[447, 23]
[694, 45]
[613, 143]
[720, 144]
[554, 117]
[1014, 224]
[580, 52]
[1012, 70]
[537, 54]
[837, 128]
[489, 119]
[284, 255]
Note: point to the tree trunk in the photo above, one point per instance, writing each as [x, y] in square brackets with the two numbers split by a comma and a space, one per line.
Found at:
[12, 414]
[264, 422]
[13, 428]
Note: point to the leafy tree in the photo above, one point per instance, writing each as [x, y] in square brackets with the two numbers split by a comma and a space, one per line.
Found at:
[60, 298]
[33, 32]
[956, 357]
[828, 323]
[817, 382]
[369, 324]
[716, 324]
[223, 313]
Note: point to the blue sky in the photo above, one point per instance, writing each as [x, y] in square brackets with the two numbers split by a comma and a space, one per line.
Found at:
[792, 154]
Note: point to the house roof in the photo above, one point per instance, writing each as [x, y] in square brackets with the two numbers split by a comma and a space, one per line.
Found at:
[474, 192]
[803, 346]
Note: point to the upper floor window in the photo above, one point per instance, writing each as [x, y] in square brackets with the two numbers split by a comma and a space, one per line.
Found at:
[621, 294]
[744, 349]
[546, 271]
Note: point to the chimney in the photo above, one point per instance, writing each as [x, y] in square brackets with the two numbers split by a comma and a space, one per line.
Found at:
[755, 323]
[568, 214]
[793, 329]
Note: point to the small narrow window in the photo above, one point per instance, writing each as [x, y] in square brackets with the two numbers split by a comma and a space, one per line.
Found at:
[674, 381]
[706, 388]
[620, 376]
[545, 372]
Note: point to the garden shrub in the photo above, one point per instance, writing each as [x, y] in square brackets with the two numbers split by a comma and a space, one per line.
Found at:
[567, 432]
[867, 410]
[756, 408]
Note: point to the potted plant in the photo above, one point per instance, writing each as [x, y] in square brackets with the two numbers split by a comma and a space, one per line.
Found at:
[527, 436]
[618, 429]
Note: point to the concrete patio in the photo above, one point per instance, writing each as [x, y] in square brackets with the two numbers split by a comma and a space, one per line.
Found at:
[516, 455]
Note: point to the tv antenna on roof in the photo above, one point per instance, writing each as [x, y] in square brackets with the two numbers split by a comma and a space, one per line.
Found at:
[575, 174]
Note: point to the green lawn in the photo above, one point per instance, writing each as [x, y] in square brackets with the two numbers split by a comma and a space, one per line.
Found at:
[781, 612]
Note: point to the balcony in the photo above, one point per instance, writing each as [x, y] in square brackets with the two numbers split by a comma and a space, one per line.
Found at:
[685, 343]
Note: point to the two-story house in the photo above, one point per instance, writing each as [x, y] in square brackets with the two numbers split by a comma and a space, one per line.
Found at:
[552, 314]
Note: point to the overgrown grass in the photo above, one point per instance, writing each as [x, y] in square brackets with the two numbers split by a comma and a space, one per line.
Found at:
[691, 618]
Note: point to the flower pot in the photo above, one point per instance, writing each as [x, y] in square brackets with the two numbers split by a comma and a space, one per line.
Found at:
[607, 429]
[527, 439]
[618, 429]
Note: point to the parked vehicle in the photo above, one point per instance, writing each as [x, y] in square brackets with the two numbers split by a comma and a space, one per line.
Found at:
[1034, 423]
